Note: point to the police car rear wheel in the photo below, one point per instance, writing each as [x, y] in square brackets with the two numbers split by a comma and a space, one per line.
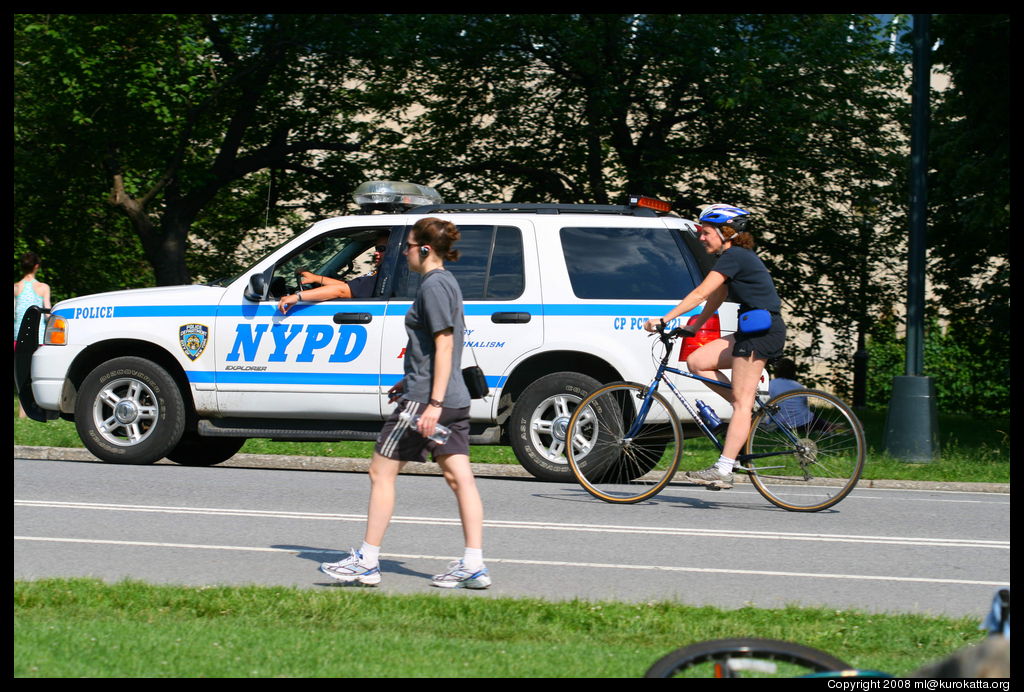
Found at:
[129, 411]
[539, 421]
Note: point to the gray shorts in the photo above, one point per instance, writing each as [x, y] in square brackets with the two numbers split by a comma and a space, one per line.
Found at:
[401, 441]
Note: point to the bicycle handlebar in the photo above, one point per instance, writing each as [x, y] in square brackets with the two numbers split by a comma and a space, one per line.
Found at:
[667, 337]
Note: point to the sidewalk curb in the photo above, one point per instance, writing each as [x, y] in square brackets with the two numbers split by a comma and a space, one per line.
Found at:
[311, 463]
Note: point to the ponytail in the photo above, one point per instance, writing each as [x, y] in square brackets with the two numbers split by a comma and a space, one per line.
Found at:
[439, 235]
[738, 233]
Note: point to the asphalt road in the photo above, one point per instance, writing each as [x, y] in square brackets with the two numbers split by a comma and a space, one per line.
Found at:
[881, 549]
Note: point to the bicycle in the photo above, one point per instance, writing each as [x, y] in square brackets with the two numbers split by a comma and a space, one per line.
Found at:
[752, 657]
[735, 658]
[624, 442]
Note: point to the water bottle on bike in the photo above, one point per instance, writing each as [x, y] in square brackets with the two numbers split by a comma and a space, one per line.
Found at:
[710, 418]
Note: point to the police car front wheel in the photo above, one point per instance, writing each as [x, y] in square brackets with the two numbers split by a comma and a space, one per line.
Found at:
[130, 411]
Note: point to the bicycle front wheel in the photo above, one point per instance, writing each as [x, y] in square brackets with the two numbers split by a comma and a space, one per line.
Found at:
[807, 450]
[625, 446]
[747, 658]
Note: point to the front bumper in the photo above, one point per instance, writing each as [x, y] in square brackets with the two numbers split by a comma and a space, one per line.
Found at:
[24, 352]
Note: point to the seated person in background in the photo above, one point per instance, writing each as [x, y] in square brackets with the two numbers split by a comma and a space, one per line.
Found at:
[794, 410]
[332, 289]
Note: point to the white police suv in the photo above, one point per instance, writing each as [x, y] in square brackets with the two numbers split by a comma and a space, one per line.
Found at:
[555, 299]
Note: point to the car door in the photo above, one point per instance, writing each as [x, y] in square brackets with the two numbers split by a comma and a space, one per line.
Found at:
[318, 360]
[501, 294]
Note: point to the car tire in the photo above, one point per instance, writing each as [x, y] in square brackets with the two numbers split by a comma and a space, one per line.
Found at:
[195, 450]
[130, 411]
[540, 416]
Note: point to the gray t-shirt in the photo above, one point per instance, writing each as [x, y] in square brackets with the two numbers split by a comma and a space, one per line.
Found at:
[438, 306]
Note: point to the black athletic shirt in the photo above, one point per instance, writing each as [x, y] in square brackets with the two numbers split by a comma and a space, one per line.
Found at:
[749, 283]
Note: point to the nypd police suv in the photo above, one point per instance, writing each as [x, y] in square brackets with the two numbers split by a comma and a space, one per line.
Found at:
[555, 300]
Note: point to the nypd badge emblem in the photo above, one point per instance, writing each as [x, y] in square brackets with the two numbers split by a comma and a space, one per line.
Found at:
[193, 338]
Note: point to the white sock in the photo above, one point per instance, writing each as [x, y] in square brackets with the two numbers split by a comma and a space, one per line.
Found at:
[473, 559]
[370, 553]
[725, 465]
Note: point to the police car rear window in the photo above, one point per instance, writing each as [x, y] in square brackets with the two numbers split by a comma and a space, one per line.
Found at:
[626, 263]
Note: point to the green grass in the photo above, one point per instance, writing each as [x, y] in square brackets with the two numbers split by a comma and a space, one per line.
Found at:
[973, 449]
[86, 628]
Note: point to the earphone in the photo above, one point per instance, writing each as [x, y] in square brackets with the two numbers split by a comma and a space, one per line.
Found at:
[424, 250]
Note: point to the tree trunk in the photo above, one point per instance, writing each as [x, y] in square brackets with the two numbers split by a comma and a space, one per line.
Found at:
[167, 254]
[164, 245]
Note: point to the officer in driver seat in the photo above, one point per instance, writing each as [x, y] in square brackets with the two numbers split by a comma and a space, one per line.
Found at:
[332, 289]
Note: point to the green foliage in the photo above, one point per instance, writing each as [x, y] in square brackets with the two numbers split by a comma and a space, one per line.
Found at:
[969, 153]
[177, 123]
[796, 117]
[969, 363]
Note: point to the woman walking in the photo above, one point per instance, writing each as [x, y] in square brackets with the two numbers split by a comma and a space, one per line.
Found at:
[28, 292]
[432, 393]
[740, 275]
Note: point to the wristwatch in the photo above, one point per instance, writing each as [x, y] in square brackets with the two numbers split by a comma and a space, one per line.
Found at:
[435, 402]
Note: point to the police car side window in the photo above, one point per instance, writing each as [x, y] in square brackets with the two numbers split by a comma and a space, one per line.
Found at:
[626, 263]
[490, 265]
[334, 254]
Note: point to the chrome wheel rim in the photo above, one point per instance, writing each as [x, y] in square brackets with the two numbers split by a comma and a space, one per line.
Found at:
[125, 412]
[549, 424]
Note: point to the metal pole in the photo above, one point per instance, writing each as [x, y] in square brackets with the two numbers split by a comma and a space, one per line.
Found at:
[918, 196]
[911, 427]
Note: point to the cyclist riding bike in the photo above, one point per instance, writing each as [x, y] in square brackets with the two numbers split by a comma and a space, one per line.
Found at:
[740, 276]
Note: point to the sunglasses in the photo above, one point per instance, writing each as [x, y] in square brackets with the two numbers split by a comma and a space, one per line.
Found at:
[380, 248]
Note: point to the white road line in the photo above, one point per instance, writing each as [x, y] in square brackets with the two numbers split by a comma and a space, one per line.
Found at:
[538, 526]
[541, 563]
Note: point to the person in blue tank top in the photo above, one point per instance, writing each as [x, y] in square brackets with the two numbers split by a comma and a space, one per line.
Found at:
[28, 291]
[740, 276]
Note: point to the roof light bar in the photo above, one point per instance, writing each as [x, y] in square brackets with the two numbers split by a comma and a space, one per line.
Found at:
[389, 195]
[649, 203]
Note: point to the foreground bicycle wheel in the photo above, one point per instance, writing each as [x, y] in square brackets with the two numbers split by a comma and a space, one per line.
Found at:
[824, 465]
[747, 658]
[620, 451]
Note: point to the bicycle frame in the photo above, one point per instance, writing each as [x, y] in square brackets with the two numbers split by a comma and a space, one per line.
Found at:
[659, 377]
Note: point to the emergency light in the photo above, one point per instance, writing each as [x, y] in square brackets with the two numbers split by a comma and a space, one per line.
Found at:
[649, 203]
[388, 195]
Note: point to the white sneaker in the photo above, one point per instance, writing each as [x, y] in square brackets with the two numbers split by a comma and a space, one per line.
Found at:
[711, 478]
[352, 570]
[458, 577]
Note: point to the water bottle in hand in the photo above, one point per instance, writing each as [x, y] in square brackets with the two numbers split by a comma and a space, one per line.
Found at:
[441, 433]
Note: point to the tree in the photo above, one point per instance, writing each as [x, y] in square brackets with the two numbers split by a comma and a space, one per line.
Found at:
[796, 117]
[174, 117]
[969, 186]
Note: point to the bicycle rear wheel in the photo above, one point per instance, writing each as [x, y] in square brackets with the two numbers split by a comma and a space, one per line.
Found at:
[825, 463]
[620, 451]
[734, 658]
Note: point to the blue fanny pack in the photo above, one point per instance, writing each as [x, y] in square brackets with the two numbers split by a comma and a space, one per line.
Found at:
[753, 321]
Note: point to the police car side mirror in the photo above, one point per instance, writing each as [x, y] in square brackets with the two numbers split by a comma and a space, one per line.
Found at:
[256, 291]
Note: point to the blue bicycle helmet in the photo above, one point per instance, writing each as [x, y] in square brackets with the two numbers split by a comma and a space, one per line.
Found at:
[722, 213]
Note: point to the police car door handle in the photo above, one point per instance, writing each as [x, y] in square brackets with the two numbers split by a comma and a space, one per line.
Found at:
[352, 318]
[510, 317]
